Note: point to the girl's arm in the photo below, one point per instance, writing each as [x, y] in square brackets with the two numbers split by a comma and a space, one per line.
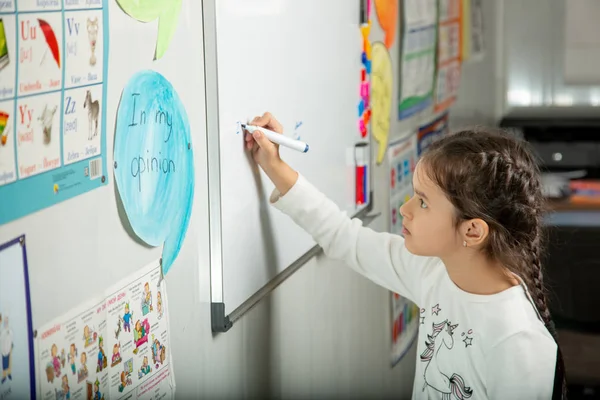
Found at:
[381, 257]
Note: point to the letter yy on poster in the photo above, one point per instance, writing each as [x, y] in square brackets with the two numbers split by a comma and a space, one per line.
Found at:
[53, 65]
[17, 371]
[114, 347]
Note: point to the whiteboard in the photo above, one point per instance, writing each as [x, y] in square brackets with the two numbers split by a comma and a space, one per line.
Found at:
[301, 61]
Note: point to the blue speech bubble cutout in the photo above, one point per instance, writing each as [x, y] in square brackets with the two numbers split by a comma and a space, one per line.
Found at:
[154, 163]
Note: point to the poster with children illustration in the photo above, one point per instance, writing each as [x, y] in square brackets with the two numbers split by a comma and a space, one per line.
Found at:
[17, 369]
[53, 67]
[405, 326]
[114, 347]
[402, 158]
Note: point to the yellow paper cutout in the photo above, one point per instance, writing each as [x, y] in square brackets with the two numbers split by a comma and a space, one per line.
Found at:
[382, 81]
[387, 13]
[167, 12]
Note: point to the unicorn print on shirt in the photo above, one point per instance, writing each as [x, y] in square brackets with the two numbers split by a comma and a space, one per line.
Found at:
[439, 381]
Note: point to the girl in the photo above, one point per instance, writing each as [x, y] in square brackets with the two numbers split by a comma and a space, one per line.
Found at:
[469, 258]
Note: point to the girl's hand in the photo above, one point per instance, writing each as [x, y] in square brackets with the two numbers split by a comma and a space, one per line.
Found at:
[264, 152]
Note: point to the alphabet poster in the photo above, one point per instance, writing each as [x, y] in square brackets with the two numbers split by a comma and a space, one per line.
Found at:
[17, 371]
[117, 346]
[53, 65]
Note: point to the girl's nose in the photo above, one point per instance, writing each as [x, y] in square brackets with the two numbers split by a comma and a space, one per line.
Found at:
[404, 210]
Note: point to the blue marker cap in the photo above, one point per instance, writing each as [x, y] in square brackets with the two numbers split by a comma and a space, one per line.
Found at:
[306, 149]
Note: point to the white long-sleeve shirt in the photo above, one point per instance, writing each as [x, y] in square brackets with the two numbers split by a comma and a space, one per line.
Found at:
[469, 346]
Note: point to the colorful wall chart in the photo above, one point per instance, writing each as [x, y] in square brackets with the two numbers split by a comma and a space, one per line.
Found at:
[17, 369]
[364, 109]
[449, 54]
[402, 159]
[154, 162]
[432, 131]
[117, 346]
[417, 59]
[382, 79]
[53, 66]
[167, 13]
[387, 14]
[405, 326]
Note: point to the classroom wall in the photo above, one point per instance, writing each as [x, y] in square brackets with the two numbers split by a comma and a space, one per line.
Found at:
[325, 331]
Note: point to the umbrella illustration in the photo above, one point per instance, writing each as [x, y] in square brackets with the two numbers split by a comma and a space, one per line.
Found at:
[50, 40]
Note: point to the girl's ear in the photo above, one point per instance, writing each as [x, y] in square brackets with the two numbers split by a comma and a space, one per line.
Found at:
[474, 232]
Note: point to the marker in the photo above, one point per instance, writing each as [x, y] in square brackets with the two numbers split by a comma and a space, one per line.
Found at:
[278, 138]
[361, 154]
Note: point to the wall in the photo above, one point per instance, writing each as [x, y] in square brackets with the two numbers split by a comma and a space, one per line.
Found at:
[324, 332]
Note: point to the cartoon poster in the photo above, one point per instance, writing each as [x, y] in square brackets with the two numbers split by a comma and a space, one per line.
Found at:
[449, 54]
[417, 59]
[402, 158]
[432, 131]
[53, 66]
[154, 162]
[17, 370]
[405, 326]
[114, 347]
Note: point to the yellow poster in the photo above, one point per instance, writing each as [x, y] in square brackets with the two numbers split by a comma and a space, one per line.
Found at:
[381, 96]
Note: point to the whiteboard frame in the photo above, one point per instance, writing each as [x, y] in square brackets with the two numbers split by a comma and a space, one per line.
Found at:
[220, 322]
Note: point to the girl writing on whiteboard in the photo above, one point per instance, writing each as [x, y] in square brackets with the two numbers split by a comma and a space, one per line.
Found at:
[469, 258]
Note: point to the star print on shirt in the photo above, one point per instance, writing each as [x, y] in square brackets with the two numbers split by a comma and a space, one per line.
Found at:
[468, 341]
[436, 309]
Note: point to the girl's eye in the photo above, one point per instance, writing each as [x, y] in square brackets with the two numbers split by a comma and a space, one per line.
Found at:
[423, 205]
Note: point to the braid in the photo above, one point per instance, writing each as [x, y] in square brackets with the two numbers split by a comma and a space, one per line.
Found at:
[527, 180]
[507, 195]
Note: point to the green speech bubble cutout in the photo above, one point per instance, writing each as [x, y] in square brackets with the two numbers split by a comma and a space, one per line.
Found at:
[167, 12]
